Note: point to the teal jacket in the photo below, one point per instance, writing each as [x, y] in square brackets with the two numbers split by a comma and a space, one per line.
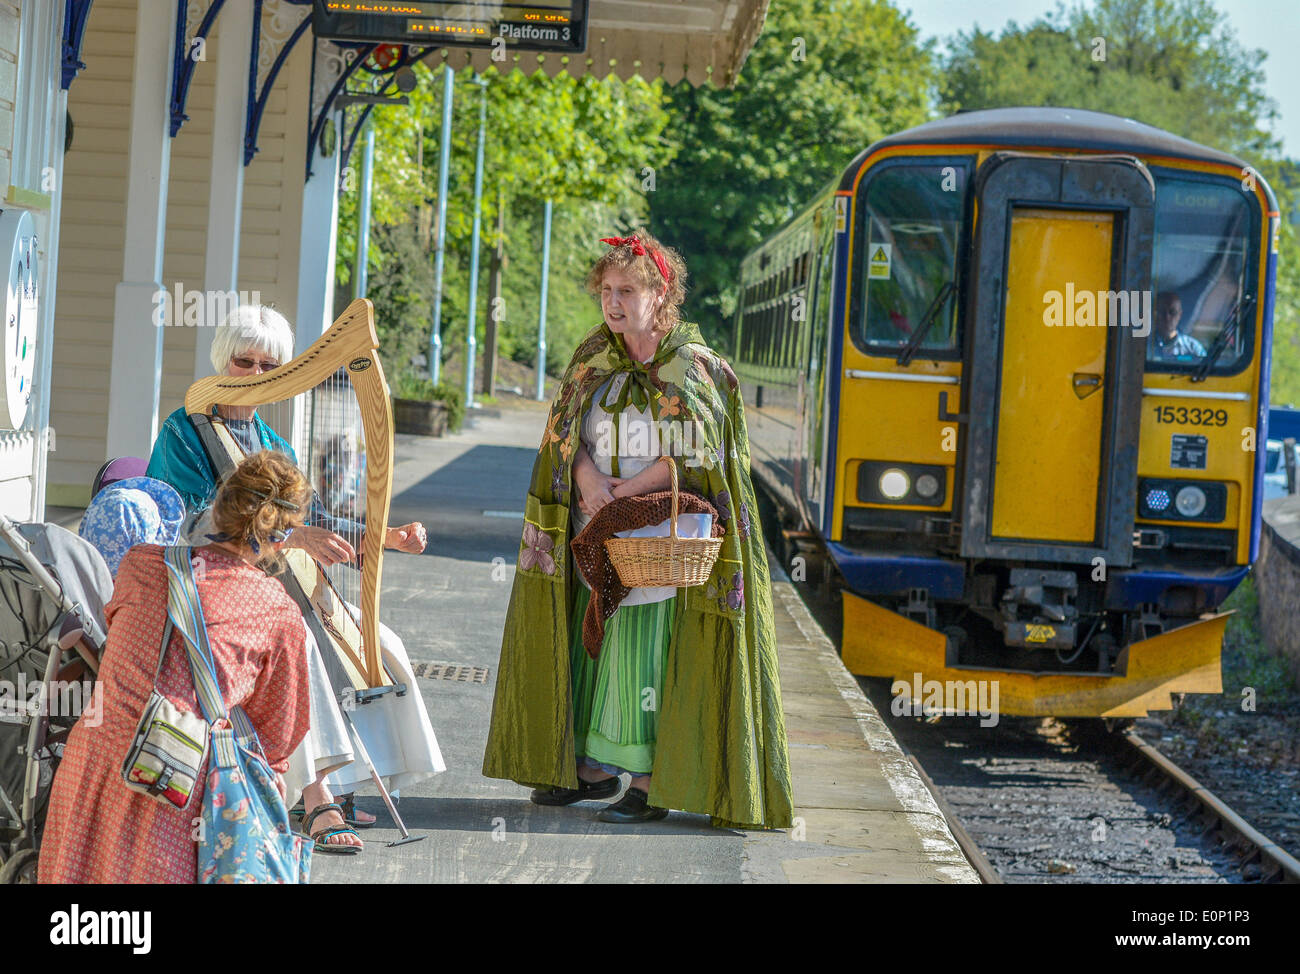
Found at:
[179, 459]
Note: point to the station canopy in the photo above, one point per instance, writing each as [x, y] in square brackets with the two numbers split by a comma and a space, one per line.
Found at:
[695, 40]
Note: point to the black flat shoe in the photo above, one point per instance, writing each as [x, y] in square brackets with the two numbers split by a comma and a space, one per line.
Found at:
[635, 807]
[586, 791]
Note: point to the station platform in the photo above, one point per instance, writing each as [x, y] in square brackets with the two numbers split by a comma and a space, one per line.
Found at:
[863, 815]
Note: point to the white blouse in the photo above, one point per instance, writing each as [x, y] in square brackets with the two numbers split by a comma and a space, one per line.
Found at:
[636, 443]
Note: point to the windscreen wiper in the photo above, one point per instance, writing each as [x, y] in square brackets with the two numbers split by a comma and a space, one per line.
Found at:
[1225, 336]
[927, 320]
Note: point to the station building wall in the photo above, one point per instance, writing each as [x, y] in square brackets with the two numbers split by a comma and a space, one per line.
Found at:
[16, 446]
[94, 226]
[31, 149]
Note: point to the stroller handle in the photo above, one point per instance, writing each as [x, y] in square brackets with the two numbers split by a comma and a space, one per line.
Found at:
[83, 644]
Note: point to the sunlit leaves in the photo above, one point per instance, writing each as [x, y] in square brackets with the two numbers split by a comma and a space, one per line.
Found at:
[579, 142]
[750, 155]
[1175, 64]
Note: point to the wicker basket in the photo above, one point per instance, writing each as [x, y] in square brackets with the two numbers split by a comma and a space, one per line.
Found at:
[680, 562]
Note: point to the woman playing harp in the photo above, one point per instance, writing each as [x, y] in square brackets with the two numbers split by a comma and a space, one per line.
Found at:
[254, 340]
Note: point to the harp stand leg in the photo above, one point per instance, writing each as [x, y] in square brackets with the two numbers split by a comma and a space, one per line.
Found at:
[379, 783]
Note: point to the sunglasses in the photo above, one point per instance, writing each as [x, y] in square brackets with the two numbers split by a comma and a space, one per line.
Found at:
[248, 363]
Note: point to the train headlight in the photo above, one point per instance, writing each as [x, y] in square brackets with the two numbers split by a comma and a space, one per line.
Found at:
[1182, 500]
[894, 483]
[1157, 500]
[1190, 501]
[899, 482]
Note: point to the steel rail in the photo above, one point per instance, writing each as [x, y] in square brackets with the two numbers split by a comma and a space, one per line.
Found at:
[1281, 866]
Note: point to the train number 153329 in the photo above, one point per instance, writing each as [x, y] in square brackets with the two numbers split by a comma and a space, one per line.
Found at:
[1193, 415]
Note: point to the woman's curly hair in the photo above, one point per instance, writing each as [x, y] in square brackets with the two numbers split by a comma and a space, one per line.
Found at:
[262, 499]
[643, 269]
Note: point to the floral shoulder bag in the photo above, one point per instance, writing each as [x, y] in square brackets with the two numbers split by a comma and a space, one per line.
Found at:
[244, 836]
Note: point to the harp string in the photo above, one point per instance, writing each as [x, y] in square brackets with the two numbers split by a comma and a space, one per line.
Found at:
[356, 474]
[338, 474]
[324, 427]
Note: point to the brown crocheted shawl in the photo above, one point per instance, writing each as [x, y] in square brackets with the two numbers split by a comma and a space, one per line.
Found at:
[623, 514]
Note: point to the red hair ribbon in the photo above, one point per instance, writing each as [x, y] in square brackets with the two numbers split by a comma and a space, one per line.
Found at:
[639, 249]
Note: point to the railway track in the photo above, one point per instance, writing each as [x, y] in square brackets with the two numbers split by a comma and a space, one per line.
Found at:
[1110, 775]
[1260, 859]
[1227, 848]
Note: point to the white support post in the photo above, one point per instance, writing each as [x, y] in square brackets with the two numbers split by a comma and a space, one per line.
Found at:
[44, 107]
[226, 178]
[317, 245]
[46, 439]
[135, 375]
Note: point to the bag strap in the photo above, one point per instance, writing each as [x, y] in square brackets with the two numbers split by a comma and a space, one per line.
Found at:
[162, 652]
[185, 612]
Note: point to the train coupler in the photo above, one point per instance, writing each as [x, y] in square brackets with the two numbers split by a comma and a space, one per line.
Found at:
[1038, 609]
[919, 607]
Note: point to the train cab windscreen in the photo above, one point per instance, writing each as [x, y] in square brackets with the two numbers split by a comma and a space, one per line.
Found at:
[1202, 307]
[913, 216]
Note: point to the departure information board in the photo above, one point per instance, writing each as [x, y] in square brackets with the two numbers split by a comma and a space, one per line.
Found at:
[559, 27]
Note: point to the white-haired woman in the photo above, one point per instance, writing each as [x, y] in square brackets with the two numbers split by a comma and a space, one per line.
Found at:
[255, 339]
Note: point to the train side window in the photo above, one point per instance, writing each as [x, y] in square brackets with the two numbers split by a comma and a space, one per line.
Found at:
[909, 237]
[1203, 303]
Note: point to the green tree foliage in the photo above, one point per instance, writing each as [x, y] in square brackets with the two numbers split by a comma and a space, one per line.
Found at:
[824, 80]
[579, 142]
[1175, 64]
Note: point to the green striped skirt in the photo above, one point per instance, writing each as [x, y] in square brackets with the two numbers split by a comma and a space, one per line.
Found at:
[616, 696]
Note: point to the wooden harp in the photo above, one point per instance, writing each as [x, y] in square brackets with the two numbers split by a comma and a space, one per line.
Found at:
[351, 343]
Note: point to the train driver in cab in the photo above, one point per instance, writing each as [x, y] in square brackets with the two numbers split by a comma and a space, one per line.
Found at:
[1166, 342]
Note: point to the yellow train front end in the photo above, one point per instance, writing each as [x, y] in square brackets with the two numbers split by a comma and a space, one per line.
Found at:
[1046, 377]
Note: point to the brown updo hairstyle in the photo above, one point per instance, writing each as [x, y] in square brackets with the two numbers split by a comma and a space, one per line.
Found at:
[643, 269]
[265, 496]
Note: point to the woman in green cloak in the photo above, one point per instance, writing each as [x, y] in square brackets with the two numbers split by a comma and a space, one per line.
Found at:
[683, 693]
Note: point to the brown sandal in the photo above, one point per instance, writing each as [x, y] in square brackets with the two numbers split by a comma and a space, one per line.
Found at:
[322, 837]
[348, 809]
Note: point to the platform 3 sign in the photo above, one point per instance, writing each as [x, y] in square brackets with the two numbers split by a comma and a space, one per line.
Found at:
[559, 26]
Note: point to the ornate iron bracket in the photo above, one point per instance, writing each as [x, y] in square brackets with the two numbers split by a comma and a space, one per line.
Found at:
[75, 15]
[269, 59]
[332, 65]
[182, 64]
[341, 61]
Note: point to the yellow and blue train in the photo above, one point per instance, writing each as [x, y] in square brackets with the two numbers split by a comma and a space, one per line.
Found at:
[1010, 370]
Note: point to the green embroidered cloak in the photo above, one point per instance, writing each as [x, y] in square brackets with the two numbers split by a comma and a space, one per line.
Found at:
[721, 747]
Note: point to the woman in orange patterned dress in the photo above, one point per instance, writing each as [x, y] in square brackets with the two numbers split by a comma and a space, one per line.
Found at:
[98, 831]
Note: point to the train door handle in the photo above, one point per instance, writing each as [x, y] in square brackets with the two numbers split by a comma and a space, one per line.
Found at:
[1085, 384]
[947, 417]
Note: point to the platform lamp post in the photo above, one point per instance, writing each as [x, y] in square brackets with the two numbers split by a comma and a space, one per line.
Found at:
[359, 278]
[541, 321]
[435, 340]
[471, 340]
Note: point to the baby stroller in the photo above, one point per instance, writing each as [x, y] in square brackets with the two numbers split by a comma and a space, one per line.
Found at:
[53, 587]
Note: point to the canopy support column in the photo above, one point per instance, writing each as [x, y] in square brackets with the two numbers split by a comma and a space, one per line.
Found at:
[226, 175]
[139, 301]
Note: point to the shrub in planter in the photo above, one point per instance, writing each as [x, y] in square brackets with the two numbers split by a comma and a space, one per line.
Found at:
[421, 407]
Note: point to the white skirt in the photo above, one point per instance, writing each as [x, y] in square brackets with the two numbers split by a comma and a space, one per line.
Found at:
[327, 746]
[395, 732]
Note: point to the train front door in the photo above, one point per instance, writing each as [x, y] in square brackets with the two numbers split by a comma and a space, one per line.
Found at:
[1060, 306]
